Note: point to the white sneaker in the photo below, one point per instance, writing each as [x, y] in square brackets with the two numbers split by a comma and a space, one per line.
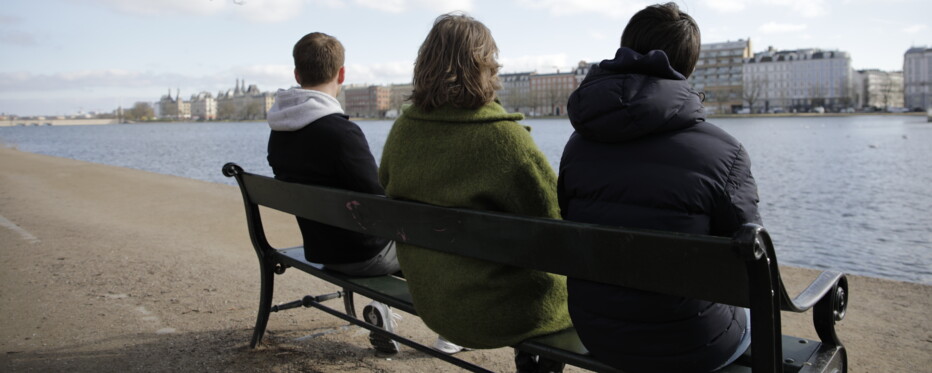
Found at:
[447, 347]
[380, 315]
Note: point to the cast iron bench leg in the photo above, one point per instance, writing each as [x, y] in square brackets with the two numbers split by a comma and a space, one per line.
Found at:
[265, 302]
[348, 303]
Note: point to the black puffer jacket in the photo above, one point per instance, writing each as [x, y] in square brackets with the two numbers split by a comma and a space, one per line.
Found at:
[643, 156]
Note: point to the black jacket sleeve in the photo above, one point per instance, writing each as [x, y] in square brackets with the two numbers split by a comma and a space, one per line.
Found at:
[357, 167]
[740, 199]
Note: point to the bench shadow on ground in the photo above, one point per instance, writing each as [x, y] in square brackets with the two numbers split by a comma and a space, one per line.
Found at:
[222, 350]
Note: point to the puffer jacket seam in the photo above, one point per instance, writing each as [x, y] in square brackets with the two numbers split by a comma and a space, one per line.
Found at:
[731, 183]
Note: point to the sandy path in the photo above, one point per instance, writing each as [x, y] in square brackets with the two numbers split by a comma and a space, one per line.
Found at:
[113, 269]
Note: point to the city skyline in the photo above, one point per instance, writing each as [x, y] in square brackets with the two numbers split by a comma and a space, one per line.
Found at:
[96, 55]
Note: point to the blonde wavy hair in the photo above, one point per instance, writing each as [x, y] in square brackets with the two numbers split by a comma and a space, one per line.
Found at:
[456, 65]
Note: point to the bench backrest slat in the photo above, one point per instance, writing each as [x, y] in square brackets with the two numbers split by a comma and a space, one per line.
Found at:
[692, 266]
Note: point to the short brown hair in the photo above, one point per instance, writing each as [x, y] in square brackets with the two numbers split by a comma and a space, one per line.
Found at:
[665, 27]
[318, 58]
[456, 65]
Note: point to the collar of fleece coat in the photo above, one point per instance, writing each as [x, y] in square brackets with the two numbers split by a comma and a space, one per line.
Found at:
[295, 108]
[633, 96]
[491, 112]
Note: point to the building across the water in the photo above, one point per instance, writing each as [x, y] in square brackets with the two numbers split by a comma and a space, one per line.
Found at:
[729, 76]
[917, 78]
[174, 108]
[800, 80]
[719, 75]
[239, 103]
[203, 106]
[244, 103]
[877, 90]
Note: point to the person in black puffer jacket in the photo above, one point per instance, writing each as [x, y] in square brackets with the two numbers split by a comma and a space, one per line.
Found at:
[643, 156]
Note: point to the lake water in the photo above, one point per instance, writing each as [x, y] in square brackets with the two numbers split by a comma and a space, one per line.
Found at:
[846, 193]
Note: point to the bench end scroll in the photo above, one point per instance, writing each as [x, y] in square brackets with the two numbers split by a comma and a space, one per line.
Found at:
[232, 169]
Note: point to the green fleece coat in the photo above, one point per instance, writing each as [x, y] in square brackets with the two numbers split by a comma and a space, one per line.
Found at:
[478, 159]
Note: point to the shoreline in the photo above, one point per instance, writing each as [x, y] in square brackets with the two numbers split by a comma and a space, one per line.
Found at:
[816, 115]
[123, 269]
[97, 122]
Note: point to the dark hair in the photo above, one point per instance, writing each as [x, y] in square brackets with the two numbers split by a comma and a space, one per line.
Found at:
[665, 27]
[318, 58]
[456, 65]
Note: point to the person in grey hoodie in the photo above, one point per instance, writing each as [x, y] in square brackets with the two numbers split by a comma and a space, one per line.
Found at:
[313, 142]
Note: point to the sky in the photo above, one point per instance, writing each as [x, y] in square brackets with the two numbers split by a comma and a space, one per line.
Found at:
[64, 57]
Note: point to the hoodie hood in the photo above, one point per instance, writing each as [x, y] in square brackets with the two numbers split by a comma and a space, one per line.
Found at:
[295, 108]
[632, 96]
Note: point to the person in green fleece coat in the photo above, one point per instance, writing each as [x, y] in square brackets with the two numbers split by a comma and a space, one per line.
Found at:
[457, 147]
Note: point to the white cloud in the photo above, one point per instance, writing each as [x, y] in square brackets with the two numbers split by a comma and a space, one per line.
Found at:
[399, 6]
[623, 9]
[379, 73]
[18, 38]
[72, 80]
[271, 71]
[543, 63]
[390, 6]
[9, 20]
[446, 5]
[269, 11]
[914, 29]
[726, 6]
[597, 35]
[267, 77]
[334, 4]
[162, 7]
[805, 8]
[780, 28]
[251, 10]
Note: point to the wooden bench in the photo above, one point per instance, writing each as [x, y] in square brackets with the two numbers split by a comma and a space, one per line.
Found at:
[740, 271]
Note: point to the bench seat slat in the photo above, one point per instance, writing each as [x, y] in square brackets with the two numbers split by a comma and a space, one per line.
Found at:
[390, 290]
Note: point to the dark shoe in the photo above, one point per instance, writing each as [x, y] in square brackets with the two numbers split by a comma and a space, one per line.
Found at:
[545, 365]
[528, 363]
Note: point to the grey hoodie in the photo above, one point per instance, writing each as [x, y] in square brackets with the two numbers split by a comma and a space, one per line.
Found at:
[296, 107]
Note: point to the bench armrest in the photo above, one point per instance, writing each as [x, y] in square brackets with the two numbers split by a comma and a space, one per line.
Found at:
[808, 298]
[827, 295]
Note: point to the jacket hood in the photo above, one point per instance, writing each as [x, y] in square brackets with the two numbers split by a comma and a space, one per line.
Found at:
[295, 108]
[631, 96]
